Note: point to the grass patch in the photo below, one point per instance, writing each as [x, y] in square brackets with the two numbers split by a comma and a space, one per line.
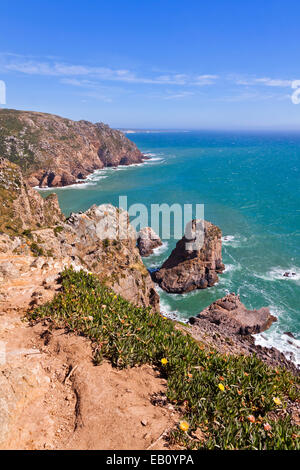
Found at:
[219, 393]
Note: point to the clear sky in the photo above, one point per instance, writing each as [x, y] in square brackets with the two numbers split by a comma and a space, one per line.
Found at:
[190, 64]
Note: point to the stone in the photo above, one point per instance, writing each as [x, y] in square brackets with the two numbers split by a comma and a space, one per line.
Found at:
[231, 315]
[147, 241]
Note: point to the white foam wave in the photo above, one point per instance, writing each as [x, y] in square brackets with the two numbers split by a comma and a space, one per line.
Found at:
[160, 249]
[167, 311]
[233, 240]
[70, 186]
[231, 267]
[278, 273]
[154, 158]
[275, 337]
[156, 253]
[290, 347]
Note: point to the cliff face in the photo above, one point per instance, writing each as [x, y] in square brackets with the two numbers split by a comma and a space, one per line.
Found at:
[35, 238]
[188, 269]
[53, 151]
[87, 240]
[21, 207]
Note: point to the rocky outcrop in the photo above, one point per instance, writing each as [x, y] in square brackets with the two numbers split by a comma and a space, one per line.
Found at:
[228, 326]
[91, 240]
[147, 241]
[34, 233]
[232, 316]
[103, 239]
[53, 151]
[22, 207]
[193, 265]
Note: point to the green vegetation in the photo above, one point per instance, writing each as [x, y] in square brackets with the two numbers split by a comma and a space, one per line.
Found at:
[228, 398]
[27, 233]
[106, 243]
[58, 229]
[36, 249]
[10, 185]
[18, 141]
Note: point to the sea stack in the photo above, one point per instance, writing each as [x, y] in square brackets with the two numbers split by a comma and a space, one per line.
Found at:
[193, 265]
[147, 241]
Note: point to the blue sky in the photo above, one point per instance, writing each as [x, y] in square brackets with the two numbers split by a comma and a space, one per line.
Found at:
[193, 64]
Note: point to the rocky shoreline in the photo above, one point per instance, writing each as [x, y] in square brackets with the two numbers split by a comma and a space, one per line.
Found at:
[87, 296]
[54, 152]
[229, 327]
[226, 325]
[86, 179]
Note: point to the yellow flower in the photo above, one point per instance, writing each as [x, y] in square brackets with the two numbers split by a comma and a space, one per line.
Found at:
[221, 387]
[277, 401]
[164, 361]
[184, 426]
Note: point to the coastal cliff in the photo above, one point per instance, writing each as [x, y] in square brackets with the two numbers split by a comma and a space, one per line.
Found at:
[54, 151]
[21, 206]
[33, 227]
[88, 300]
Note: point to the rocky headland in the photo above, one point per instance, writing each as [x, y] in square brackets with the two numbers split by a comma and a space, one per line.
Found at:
[191, 267]
[87, 296]
[54, 151]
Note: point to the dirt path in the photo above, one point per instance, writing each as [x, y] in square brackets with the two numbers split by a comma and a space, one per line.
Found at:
[51, 394]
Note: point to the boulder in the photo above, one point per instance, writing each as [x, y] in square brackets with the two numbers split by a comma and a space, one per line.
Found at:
[193, 265]
[231, 315]
[147, 241]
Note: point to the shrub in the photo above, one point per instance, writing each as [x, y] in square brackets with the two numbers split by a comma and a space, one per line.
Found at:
[58, 229]
[36, 249]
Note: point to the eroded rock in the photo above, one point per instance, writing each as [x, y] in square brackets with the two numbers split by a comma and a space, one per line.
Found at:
[190, 267]
[22, 207]
[147, 241]
[53, 151]
[231, 315]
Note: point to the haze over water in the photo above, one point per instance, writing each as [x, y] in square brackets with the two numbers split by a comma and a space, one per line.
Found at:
[250, 186]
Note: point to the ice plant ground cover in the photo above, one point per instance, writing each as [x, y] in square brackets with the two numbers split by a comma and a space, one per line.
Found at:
[243, 413]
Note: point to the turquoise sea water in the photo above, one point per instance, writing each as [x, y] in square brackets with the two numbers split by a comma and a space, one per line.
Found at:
[250, 186]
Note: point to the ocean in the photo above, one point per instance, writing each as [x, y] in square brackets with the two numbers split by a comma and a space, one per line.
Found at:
[249, 184]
